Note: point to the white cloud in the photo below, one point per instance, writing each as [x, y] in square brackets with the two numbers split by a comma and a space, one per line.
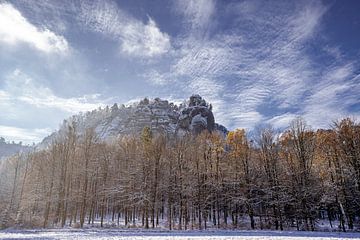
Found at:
[205, 58]
[206, 87]
[339, 73]
[306, 21]
[155, 78]
[333, 51]
[136, 38]
[27, 136]
[272, 60]
[282, 121]
[197, 13]
[20, 87]
[331, 97]
[14, 29]
[140, 39]
[29, 108]
[263, 60]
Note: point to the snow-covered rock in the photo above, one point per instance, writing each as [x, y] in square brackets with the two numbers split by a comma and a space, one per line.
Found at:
[197, 116]
[194, 115]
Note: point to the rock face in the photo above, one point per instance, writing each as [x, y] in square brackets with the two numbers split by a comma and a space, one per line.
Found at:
[194, 116]
[197, 117]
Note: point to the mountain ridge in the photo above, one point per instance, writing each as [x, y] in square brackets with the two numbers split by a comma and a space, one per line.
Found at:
[191, 116]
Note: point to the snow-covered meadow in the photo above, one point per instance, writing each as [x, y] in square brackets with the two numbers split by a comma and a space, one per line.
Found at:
[141, 234]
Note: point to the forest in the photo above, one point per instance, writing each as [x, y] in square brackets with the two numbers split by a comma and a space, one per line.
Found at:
[268, 179]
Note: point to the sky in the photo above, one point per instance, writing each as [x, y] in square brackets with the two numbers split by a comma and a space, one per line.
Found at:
[257, 62]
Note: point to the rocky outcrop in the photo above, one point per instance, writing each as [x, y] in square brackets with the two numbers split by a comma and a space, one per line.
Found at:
[197, 116]
[193, 116]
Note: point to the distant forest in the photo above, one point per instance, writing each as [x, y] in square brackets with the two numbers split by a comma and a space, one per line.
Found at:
[9, 148]
[295, 179]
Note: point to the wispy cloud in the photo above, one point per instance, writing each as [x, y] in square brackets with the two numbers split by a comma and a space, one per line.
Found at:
[197, 14]
[24, 135]
[15, 29]
[20, 87]
[332, 96]
[282, 121]
[140, 39]
[259, 71]
[31, 110]
[155, 78]
[135, 37]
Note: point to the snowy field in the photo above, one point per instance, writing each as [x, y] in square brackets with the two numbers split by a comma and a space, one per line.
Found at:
[147, 235]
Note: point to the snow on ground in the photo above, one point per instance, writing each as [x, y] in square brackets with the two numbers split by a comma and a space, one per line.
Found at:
[82, 234]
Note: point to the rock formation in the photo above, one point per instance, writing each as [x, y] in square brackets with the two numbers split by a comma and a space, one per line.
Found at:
[193, 116]
[197, 117]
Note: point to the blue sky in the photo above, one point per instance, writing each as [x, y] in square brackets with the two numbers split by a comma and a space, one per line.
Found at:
[257, 62]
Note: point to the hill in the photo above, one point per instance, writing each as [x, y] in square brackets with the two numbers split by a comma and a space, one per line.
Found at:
[193, 115]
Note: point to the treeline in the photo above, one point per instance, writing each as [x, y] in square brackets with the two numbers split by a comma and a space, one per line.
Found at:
[291, 180]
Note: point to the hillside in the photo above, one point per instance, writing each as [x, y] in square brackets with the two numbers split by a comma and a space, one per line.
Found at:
[193, 115]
